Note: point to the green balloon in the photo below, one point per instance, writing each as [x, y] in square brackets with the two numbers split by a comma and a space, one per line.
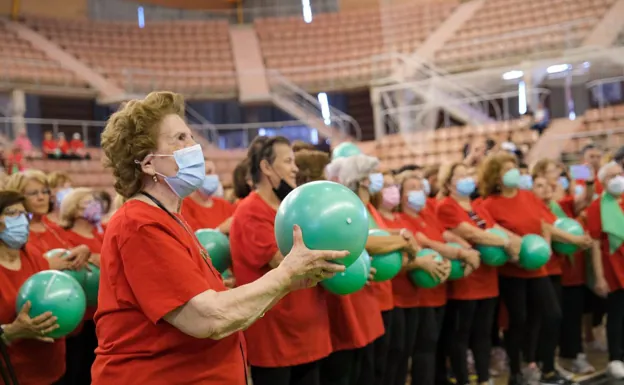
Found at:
[457, 267]
[92, 285]
[494, 255]
[345, 150]
[570, 226]
[78, 275]
[534, 252]
[422, 278]
[351, 280]
[330, 215]
[227, 274]
[387, 265]
[217, 245]
[56, 292]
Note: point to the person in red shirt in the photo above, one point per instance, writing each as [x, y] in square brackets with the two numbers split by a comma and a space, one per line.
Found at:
[592, 157]
[15, 161]
[473, 299]
[50, 146]
[358, 173]
[527, 294]
[80, 216]
[355, 320]
[203, 210]
[160, 296]
[605, 221]
[36, 359]
[77, 146]
[63, 144]
[288, 342]
[60, 185]
[241, 181]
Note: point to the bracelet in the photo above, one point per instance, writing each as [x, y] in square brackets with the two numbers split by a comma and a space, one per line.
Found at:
[3, 337]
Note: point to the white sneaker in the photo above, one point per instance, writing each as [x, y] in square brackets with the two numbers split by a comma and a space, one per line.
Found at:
[563, 372]
[597, 346]
[615, 369]
[531, 374]
[581, 366]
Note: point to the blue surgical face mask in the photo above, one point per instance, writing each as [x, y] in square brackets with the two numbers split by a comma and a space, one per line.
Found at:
[511, 178]
[526, 182]
[210, 184]
[465, 186]
[579, 190]
[416, 200]
[60, 195]
[219, 193]
[376, 182]
[191, 171]
[564, 182]
[15, 233]
[426, 186]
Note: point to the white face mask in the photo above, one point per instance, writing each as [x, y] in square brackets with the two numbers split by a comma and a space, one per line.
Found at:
[616, 185]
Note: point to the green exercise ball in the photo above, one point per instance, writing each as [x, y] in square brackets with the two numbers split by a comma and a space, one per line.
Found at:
[352, 279]
[217, 245]
[56, 292]
[330, 215]
[387, 265]
[92, 285]
[494, 255]
[534, 252]
[345, 150]
[457, 266]
[422, 278]
[78, 275]
[227, 274]
[570, 226]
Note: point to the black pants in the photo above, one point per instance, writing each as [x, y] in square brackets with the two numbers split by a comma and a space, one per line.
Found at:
[422, 328]
[382, 346]
[79, 355]
[525, 299]
[471, 322]
[546, 352]
[305, 374]
[396, 347]
[572, 307]
[497, 341]
[615, 325]
[344, 367]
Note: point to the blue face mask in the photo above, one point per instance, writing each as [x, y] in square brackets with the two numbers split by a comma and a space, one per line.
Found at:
[465, 186]
[564, 182]
[579, 190]
[191, 171]
[426, 186]
[416, 200]
[60, 195]
[15, 234]
[210, 184]
[526, 182]
[511, 178]
[376, 183]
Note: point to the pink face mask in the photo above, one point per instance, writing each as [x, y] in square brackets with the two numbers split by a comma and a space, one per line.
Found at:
[390, 197]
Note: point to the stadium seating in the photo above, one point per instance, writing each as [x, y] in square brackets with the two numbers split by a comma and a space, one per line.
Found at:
[603, 126]
[506, 31]
[193, 57]
[22, 63]
[305, 52]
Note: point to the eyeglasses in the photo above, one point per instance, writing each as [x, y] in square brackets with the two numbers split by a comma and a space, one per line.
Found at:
[35, 193]
[13, 213]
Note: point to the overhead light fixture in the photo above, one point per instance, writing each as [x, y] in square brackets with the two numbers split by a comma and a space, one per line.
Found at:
[557, 68]
[514, 74]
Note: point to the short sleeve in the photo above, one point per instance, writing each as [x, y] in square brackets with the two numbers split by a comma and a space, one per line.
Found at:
[594, 227]
[567, 205]
[257, 245]
[448, 216]
[546, 214]
[160, 271]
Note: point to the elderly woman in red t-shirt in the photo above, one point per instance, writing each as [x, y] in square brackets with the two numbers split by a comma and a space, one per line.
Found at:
[35, 358]
[160, 296]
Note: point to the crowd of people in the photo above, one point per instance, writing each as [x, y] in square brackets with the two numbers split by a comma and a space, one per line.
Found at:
[166, 316]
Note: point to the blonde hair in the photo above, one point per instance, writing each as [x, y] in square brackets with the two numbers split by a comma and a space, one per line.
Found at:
[131, 134]
[70, 205]
[490, 173]
[17, 182]
[58, 178]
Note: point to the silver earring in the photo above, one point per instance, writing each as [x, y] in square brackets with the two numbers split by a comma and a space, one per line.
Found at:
[155, 178]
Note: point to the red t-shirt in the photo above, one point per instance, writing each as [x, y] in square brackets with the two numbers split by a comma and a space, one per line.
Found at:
[201, 217]
[556, 261]
[150, 266]
[49, 146]
[95, 246]
[612, 264]
[521, 214]
[63, 145]
[574, 272]
[383, 290]
[483, 282]
[598, 188]
[76, 144]
[54, 237]
[406, 294]
[296, 330]
[35, 363]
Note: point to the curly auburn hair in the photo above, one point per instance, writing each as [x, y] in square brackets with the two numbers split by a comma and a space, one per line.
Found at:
[490, 173]
[131, 134]
[311, 165]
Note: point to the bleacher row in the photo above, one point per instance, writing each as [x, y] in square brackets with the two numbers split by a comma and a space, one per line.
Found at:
[423, 148]
[191, 56]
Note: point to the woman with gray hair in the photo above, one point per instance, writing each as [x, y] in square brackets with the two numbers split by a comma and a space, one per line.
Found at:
[359, 173]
